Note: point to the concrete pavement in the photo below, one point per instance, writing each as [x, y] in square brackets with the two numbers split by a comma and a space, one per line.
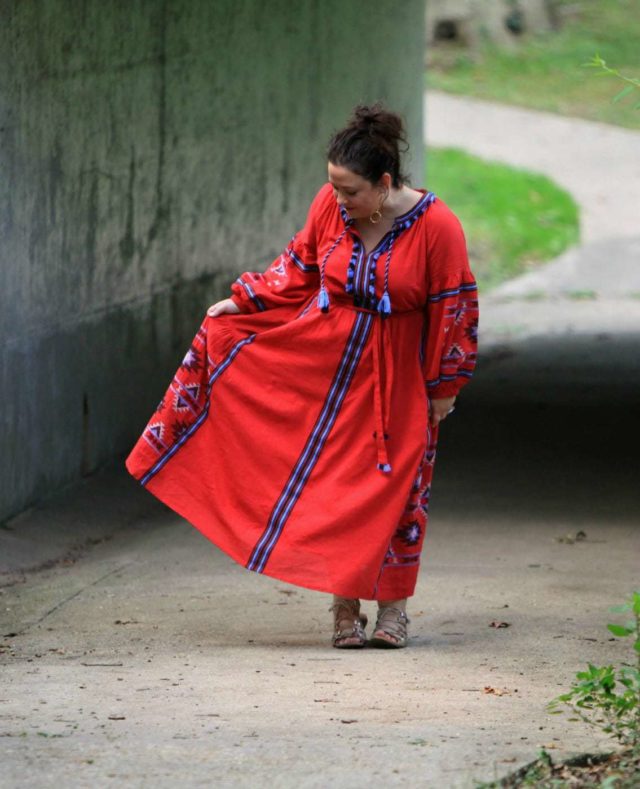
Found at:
[153, 660]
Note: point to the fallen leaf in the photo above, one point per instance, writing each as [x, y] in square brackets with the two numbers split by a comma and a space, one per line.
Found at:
[496, 691]
[569, 539]
[499, 624]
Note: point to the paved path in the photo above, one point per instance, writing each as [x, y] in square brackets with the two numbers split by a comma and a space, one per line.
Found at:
[597, 163]
[154, 661]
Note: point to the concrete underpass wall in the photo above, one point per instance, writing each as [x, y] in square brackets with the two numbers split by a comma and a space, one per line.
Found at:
[149, 151]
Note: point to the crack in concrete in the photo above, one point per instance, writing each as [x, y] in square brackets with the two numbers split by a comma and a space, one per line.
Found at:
[66, 600]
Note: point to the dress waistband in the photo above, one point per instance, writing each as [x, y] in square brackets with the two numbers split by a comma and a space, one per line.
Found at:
[383, 318]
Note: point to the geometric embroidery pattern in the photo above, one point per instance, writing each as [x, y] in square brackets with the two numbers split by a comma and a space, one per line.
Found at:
[406, 544]
[186, 403]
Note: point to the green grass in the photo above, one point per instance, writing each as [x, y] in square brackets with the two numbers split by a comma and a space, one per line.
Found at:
[545, 71]
[513, 219]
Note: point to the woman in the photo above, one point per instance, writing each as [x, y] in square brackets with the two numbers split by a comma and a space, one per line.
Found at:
[299, 433]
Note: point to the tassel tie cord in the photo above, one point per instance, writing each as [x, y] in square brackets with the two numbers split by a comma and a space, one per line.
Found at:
[381, 348]
[384, 305]
[323, 295]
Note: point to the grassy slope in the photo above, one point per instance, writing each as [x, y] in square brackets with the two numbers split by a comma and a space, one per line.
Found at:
[513, 219]
[545, 71]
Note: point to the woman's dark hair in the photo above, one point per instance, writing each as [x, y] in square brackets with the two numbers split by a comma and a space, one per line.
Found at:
[371, 144]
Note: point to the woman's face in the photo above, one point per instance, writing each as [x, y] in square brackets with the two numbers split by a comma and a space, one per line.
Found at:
[359, 196]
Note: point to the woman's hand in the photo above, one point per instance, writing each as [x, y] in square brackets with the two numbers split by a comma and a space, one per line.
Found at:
[440, 408]
[222, 307]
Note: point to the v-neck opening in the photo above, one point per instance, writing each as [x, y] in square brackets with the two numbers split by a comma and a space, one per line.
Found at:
[379, 245]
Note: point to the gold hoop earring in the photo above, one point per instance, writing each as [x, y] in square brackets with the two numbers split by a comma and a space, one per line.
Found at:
[376, 216]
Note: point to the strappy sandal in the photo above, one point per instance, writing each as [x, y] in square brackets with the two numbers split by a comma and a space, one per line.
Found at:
[349, 625]
[391, 628]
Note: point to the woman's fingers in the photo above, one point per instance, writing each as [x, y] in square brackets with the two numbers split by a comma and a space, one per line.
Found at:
[223, 307]
[440, 409]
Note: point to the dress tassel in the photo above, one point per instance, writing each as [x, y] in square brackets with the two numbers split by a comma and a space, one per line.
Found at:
[384, 307]
[323, 300]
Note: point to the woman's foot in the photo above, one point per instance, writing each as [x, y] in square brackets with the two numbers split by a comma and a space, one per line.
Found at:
[391, 626]
[348, 623]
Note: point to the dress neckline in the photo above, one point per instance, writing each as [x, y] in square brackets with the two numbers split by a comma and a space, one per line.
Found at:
[400, 223]
[414, 207]
[411, 214]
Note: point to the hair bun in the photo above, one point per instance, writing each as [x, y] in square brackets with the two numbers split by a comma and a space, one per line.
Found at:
[377, 120]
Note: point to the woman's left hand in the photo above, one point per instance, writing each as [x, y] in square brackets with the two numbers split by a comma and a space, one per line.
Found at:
[440, 408]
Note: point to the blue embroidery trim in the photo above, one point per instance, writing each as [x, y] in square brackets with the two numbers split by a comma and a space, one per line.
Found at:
[445, 294]
[297, 260]
[447, 378]
[252, 294]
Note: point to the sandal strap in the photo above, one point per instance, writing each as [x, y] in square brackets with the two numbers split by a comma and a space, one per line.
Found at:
[348, 621]
[356, 630]
[392, 621]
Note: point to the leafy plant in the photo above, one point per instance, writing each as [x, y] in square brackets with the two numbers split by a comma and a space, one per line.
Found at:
[604, 70]
[606, 697]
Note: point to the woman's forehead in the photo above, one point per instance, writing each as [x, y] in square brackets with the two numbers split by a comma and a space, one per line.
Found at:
[343, 176]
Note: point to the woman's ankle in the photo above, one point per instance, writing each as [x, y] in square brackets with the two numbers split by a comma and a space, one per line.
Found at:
[401, 605]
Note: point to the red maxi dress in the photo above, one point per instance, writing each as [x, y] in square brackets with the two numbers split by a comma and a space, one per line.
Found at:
[295, 435]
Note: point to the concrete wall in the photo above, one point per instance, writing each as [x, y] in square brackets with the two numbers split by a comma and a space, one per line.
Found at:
[150, 149]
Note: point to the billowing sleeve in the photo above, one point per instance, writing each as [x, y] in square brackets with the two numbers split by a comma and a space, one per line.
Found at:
[451, 309]
[292, 276]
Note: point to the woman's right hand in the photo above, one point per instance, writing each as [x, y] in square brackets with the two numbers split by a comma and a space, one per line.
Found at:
[221, 307]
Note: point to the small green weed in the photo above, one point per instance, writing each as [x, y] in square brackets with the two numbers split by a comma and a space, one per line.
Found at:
[607, 697]
[582, 295]
[631, 84]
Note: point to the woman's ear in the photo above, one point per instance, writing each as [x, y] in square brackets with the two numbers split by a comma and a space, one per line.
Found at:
[385, 182]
